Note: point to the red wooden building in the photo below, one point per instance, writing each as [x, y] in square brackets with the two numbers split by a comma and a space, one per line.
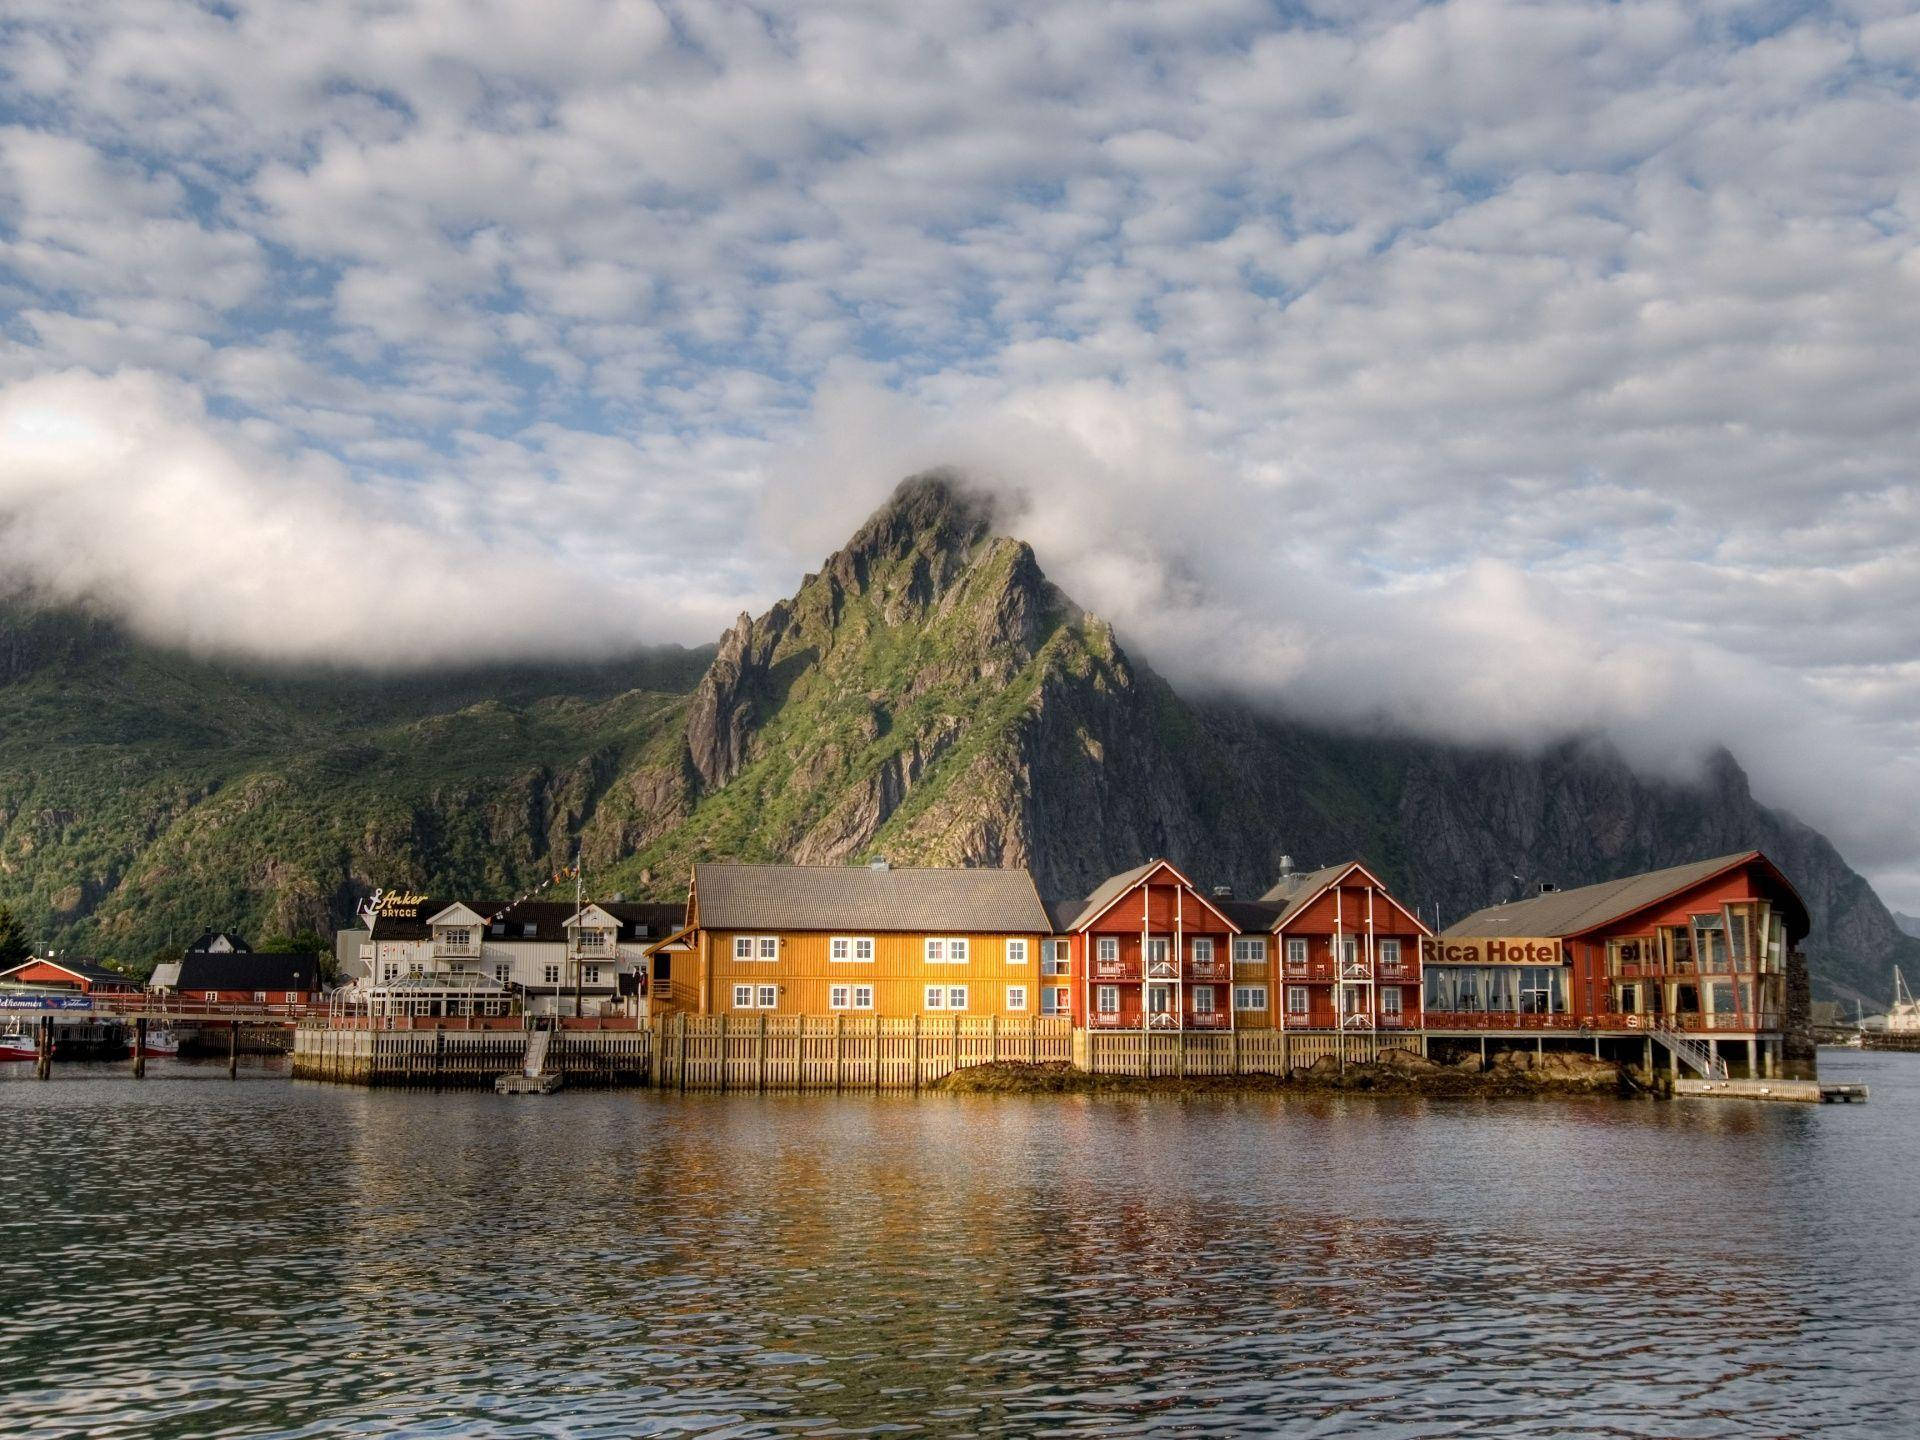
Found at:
[1346, 953]
[1695, 951]
[68, 975]
[1148, 950]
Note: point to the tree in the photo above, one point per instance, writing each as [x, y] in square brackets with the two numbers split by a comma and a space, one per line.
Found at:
[13, 941]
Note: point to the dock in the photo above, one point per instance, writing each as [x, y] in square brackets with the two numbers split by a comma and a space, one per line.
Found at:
[1802, 1092]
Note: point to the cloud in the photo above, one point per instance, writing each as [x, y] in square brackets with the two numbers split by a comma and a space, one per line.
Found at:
[1394, 343]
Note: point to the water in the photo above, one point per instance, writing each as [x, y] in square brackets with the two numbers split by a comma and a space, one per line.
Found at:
[193, 1256]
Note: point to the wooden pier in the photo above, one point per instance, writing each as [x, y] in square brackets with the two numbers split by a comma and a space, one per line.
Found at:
[1802, 1092]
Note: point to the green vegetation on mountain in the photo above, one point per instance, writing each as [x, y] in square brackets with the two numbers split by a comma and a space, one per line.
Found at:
[927, 696]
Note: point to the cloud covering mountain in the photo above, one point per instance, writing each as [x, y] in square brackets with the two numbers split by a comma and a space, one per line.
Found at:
[1488, 369]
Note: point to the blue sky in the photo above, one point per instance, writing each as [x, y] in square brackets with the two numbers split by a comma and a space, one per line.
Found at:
[1499, 369]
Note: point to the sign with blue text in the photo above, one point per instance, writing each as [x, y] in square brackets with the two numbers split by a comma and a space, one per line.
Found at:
[45, 1002]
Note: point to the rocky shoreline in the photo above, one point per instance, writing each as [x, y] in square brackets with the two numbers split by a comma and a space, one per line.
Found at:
[1508, 1073]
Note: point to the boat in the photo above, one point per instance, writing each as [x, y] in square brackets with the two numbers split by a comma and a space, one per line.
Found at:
[1899, 1028]
[18, 1041]
[161, 1042]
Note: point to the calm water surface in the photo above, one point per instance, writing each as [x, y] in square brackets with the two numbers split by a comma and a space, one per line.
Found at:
[192, 1256]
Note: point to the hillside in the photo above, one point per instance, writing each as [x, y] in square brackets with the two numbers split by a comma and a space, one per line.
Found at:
[927, 695]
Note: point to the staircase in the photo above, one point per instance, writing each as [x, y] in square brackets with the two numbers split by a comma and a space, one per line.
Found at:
[536, 1060]
[1688, 1051]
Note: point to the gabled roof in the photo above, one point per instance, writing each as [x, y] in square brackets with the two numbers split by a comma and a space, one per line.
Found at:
[456, 914]
[639, 919]
[219, 942]
[1293, 893]
[91, 971]
[1571, 912]
[1252, 916]
[257, 970]
[1109, 892]
[848, 900]
[1063, 913]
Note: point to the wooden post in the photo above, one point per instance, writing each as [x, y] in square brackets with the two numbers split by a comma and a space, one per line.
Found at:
[761, 1059]
[876, 1054]
[916, 1050]
[140, 1048]
[439, 1053]
[233, 1050]
[1235, 1047]
[43, 1062]
[681, 1078]
[993, 1032]
[956, 1046]
[723, 1050]
[839, 1050]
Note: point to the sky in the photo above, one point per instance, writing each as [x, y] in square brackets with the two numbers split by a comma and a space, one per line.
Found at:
[1496, 371]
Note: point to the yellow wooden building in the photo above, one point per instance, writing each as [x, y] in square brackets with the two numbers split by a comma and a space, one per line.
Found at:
[878, 941]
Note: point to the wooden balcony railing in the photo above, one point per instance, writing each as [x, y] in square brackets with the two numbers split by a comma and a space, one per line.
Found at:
[1115, 970]
[1209, 1020]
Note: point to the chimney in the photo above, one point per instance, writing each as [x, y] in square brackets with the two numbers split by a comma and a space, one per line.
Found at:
[879, 862]
[1286, 866]
[1547, 887]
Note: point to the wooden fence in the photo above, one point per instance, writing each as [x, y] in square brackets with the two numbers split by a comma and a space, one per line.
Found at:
[449, 1059]
[838, 1052]
[810, 1052]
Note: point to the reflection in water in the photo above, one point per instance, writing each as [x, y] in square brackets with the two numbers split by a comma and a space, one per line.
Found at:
[262, 1258]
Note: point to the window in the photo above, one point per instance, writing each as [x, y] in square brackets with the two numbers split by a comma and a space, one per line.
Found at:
[1157, 950]
[1350, 948]
[552, 973]
[743, 947]
[457, 937]
[503, 973]
[769, 947]
[850, 949]
[1055, 957]
[498, 927]
[1109, 950]
[1203, 999]
[1249, 949]
[956, 997]
[756, 947]
[957, 951]
[259, 997]
[766, 996]
[840, 997]
[743, 997]
[1203, 951]
[528, 929]
[936, 997]
[1390, 954]
[1108, 999]
[1296, 999]
[1062, 1000]
[590, 975]
[946, 951]
[1160, 999]
[415, 970]
[390, 971]
[1250, 997]
[1297, 951]
[936, 952]
[592, 940]
[1017, 954]
[1390, 1000]
[1016, 997]
[863, 997]
[293, 997]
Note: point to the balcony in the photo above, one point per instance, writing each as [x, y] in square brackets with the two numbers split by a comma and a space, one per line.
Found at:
[1209, 1020]
[1206, 970]
[456, 949]
[1399, 1020]
[1107, 1020]
[1115, 970]
[1162, 970]
[1356, 970]
[1359, 1020]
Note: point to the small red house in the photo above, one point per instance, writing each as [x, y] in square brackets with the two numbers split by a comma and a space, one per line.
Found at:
[69, 975]
[1148, 950]
[1346, 952]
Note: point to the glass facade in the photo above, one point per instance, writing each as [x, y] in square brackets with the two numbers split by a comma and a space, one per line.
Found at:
[1516, 989]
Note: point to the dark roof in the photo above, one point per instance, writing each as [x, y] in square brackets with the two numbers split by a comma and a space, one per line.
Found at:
[1251, 916]
[250, 970]
[1113, 887]
[204, 944]
[853, 899]
[1569, 912]
[90, 970]
[639, 919]
[1063, 913]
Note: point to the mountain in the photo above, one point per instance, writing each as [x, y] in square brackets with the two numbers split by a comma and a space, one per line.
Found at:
[1909, 924]
[928, 696]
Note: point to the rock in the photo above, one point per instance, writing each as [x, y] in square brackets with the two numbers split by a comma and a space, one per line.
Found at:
[1409, 1062]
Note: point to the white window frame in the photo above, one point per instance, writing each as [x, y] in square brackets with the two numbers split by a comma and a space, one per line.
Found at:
[1349, 949]
[293, 997]
[1392, 1002]
[1297, 1001]
[934, 950]
[743, 947]
[1056, 957]
[946, 950]
[846, 950]
[503, 972]
[934, 997]
[1159, 949]
[1254, 995]
[1107, 999]
[956, 997]
[1390, 954]
[1202, 950]
[589, 974]
[766, 997]
[1107, 951]
[1202, 993]
[1063, 999]
[1297, 952]
[1016, 997]
[1249, 949]
[863, 997]
[1016, 952]
[552, 973]
[743, 996]
[840, 997]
